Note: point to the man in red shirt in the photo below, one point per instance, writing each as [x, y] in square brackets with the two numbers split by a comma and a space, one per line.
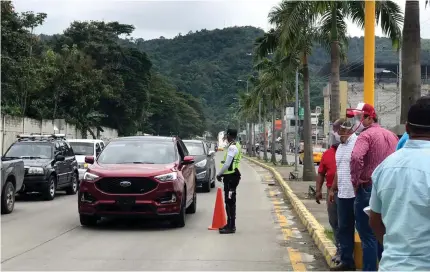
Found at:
[327, 171]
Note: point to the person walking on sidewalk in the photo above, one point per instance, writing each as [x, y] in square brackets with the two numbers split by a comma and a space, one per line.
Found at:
[327, 171]
[342, 185]
[230, 175]
[400, 200]
[373, 145]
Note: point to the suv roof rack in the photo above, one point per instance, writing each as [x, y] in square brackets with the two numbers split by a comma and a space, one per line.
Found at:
[40, 137]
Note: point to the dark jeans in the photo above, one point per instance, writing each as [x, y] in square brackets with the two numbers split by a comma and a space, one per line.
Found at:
[230, 184]
[371, 248]
[345, 213]
[333, 220]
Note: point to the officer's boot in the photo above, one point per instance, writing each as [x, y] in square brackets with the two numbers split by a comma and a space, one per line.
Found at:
[226, 226]
[231, 226]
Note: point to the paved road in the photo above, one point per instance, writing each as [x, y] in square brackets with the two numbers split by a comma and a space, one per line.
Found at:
[47, 236]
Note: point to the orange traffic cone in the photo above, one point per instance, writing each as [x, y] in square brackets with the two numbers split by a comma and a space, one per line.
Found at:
[219, 220]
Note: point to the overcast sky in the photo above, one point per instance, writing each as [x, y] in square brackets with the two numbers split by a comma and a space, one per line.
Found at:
[153, 19]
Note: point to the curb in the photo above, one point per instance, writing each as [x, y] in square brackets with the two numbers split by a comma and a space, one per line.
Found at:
[315, 229]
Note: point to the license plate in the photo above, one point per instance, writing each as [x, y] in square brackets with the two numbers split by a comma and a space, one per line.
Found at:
[126, 201]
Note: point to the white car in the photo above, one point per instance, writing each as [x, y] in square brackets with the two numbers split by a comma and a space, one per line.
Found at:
[85, 147]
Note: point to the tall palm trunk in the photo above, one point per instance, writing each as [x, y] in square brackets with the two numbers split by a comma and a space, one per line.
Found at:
[248, 139]
[411, 58]
[284, 137]
[253, 139]
[335, 75]
[272, 149]
[265, 158]
[308, 162]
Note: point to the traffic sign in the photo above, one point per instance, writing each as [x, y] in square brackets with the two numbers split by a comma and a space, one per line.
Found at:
[301, 112]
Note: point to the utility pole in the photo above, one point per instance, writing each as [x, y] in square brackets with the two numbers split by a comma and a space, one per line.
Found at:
[296, 161]
[369, 52]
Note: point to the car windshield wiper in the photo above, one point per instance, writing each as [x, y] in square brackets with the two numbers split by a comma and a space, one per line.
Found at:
[30, 157]
[11, 158]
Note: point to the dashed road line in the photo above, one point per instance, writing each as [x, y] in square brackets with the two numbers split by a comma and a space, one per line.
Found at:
[278, 203]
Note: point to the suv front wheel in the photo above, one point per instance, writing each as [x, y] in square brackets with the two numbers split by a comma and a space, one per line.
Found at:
[73, 188]
[50, 189]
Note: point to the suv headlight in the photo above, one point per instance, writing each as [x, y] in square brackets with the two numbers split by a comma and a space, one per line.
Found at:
[202, 163]
[167, 177]
[90, 177]
[36, 171]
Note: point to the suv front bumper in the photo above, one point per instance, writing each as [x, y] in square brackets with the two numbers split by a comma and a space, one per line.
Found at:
[162, 201]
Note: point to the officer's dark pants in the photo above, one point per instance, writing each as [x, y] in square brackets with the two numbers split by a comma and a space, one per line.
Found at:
[230, 184]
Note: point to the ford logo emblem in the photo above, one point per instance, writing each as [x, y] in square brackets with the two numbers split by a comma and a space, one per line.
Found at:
[125, 183]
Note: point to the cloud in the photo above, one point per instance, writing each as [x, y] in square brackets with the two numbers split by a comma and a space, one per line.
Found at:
[153, 19]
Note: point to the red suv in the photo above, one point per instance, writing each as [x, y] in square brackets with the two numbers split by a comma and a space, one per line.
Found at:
[144, 176]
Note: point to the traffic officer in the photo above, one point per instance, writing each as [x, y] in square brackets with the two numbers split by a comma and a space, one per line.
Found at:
[230, 175]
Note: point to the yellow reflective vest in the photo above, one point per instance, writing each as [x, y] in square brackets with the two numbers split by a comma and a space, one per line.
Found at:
[236, 160]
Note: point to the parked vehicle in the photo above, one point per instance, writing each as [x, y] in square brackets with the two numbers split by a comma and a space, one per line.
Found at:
[317, 155]
[139, 176]
[49, 164]
[204, 162]
[85, 147]
[12, 178]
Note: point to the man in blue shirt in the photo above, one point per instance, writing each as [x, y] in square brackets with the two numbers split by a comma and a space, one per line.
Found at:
[400, 198]
[402, 141]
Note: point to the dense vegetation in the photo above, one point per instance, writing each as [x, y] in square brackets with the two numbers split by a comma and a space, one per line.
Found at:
[185, 85]
[89, 77]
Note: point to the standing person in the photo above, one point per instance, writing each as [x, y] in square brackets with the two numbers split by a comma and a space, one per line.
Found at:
[400, 201]
[327, 171]
[373, 145]
[342, 185]
[230, 175]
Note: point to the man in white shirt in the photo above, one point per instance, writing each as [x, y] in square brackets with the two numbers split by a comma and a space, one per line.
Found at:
[230, 175]
[346, 196]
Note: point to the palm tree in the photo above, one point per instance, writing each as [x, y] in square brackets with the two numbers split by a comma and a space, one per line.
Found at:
[297, 35]
[411, 58]
[275, 82]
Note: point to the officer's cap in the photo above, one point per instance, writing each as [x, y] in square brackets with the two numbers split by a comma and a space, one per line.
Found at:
[232, 132]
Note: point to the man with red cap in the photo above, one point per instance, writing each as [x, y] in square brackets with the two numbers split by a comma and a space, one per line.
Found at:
[373, 145]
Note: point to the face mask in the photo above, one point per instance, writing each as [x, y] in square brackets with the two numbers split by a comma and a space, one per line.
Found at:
[359, 127]
[334, 138]
[337, 137]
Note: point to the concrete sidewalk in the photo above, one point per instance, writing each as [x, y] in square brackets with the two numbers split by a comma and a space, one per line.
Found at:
[313, 215]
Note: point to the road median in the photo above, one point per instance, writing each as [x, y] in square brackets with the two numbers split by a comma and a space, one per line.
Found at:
[315, 229]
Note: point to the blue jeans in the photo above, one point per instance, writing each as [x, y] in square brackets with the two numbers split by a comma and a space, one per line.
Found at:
[345, 212]
[369, 244]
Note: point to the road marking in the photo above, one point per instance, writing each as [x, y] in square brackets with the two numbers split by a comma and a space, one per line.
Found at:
[296, 260]
[294, 255]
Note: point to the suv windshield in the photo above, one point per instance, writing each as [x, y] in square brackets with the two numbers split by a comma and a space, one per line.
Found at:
[81, 148]
[138, 152]
[195, 149]
[30, 150]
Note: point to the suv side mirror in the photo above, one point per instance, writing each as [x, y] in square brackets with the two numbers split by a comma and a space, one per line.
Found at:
[211, 153]
[60, 157]
[89, 159]
[188, 160]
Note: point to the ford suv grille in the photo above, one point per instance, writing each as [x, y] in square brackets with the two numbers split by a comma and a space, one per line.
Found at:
[126, 185]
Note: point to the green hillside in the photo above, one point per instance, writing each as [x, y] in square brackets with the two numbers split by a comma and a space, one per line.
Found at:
[206, 64]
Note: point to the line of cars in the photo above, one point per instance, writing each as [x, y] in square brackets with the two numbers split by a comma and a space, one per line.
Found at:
[139, 176]
[43, 164]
